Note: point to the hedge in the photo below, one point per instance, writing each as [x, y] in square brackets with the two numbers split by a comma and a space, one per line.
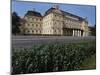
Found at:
[51, 57]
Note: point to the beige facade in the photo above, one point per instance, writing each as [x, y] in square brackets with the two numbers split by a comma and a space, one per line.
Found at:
[32, 23]
[55, 22]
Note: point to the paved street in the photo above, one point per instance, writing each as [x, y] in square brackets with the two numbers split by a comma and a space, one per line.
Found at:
[28, 41]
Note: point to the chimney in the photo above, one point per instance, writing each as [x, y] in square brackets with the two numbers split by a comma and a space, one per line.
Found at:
[56, 6]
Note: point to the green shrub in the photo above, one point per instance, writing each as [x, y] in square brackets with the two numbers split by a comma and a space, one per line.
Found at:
[51, 57]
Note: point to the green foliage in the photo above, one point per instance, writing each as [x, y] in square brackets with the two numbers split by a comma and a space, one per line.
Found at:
[15, 23]
[89, 63]
[93, 30]
[51, 57]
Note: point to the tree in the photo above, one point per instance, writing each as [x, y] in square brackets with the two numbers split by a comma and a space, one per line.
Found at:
[93, 30]
[15, 23]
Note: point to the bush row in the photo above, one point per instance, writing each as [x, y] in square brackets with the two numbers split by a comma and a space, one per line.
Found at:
[51, 57]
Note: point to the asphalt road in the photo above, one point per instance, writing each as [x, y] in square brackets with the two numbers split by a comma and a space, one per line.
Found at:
[28, 41]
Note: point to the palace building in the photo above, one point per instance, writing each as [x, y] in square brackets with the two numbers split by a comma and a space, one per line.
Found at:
[54, 22]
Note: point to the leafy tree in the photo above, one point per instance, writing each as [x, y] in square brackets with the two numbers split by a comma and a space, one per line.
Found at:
[15, 23]
[93, 30]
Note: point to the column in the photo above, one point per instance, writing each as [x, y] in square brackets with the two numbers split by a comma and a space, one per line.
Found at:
[83, 33]
[78, 32]
[73, 32]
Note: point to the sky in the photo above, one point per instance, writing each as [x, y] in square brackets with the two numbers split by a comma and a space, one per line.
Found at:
[80, 10]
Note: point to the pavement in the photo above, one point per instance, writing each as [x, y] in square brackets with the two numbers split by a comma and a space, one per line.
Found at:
[28, 41]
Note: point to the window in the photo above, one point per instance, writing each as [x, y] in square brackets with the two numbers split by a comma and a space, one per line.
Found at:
[55, 23]
[32, 31]
[54, 30]
[36, 25]
[55, 15]
[28, 31]
[40, 31]
[28, 24]
[36, 31]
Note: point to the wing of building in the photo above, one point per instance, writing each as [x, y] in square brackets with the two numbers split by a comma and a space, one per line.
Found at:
[32, 23]
[54, 22]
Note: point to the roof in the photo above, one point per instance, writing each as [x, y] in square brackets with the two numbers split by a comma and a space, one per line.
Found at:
[33, 13]
[22, 20]
[70, 14]
[64, 13]
[49, 11]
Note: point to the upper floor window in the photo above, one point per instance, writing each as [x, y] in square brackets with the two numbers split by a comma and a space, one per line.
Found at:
[40, 19]
[36, 25]
[36, 19]
[55, 15]
[32, 30]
